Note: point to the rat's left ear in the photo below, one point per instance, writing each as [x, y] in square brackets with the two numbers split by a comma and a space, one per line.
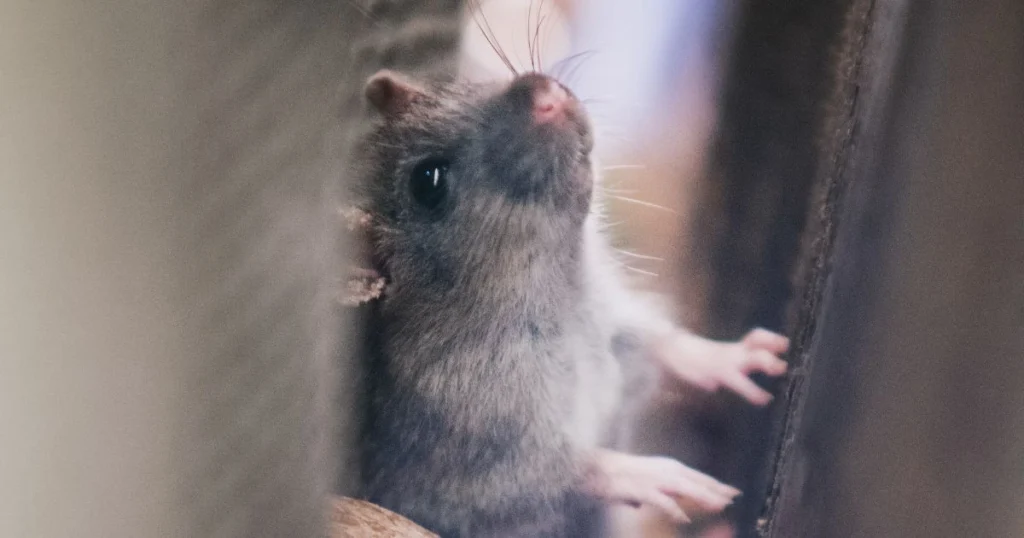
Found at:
[391, 93]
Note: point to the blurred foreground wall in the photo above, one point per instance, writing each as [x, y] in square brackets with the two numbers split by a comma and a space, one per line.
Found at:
[910, 422]
[167, 241]
[169, 177]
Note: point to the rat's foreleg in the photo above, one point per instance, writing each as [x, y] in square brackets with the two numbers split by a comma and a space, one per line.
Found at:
[617, 477]
[711, 364]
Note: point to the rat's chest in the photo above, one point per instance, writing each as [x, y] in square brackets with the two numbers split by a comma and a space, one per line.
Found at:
[596, 393]
[571, 382]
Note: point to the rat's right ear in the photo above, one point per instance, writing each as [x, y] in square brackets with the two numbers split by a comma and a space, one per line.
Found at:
[390, 93]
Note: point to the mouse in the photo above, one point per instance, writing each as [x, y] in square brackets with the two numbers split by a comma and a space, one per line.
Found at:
[505, 351]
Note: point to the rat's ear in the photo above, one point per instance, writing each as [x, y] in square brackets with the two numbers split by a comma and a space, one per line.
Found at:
[390, 93]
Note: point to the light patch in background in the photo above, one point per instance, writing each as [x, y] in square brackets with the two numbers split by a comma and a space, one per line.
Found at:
[622, 70]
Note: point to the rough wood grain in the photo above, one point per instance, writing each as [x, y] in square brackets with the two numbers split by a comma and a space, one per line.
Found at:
[908, 417]
[353, 518]
[784, 125]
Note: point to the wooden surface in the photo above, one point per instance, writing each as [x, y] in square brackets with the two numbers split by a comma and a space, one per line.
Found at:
[789, 91]
[906, 416]
[353, 518]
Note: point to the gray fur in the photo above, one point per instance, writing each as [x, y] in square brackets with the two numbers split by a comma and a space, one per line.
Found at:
[496, 355]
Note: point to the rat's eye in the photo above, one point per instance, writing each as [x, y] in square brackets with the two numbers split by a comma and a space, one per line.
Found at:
[429, 182]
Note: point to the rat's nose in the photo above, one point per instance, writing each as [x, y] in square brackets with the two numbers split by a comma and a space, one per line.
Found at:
[550, 100]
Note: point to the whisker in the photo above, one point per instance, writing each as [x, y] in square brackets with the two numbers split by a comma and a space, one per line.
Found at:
[547, 34]
[489, 35]
[625, 167]
[570, 58]
[529, 43]
[641, 271]
[571, 74]
[615, 190]
[497, 42]
[576, 60]
[639, 256]
[646, 204]
[620, 263]
[536, 46]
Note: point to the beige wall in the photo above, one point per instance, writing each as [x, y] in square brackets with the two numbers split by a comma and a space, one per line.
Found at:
[164, 240]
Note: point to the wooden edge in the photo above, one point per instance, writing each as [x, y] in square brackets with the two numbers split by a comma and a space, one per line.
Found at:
[353, 518]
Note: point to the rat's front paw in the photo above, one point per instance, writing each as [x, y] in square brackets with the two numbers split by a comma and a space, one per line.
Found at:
[655, 481]
[710, 365]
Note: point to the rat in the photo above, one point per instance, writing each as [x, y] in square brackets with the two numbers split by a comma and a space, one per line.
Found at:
[505, 352]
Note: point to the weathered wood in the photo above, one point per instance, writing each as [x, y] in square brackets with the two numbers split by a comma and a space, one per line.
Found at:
[906, 416]
[784, 129]
[766, 156]
[353, 518]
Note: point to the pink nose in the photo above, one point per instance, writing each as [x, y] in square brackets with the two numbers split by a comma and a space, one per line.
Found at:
[550, 101]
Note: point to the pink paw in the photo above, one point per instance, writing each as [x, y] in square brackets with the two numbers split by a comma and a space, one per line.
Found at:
[711, 365]
[656, 481]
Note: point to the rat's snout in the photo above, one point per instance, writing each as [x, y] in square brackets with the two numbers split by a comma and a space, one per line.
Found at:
[539, 142]
[551, 110]
[550, 102]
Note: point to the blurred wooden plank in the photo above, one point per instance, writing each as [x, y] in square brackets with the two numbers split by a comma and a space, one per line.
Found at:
[779, 94]
[786, 125]
[910, 418]
[91, 358]
[170, 180]
[849, 144]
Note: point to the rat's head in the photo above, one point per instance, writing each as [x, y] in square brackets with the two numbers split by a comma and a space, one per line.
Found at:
[471, 181]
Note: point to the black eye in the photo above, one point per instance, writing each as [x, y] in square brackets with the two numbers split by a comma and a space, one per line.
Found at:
[429, 182]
